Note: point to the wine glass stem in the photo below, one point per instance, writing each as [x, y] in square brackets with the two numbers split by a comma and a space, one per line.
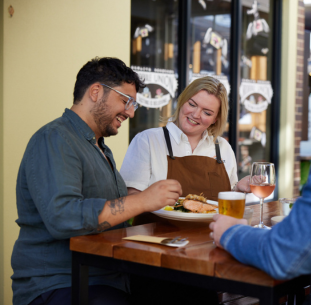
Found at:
[261, 212]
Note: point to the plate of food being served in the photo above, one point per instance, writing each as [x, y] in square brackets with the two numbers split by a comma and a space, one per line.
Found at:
[193, 208]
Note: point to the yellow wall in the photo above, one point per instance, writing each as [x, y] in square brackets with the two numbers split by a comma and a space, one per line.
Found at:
[288, 98]
[45, 43]
[43, 46]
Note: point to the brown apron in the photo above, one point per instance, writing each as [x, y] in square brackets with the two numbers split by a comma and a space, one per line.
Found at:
[198, 174]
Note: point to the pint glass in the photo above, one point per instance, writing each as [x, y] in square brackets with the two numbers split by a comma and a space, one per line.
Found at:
[231, 204]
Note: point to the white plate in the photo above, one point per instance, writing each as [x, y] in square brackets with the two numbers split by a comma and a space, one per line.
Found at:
[194, 217]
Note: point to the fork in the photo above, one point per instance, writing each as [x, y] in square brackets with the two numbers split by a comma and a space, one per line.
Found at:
[171, 241]
[180, 241]
[174, 240]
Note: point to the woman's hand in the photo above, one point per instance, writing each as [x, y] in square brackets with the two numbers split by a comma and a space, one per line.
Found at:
[243, 185]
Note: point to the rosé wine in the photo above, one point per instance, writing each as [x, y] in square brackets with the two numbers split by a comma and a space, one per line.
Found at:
[262, 190]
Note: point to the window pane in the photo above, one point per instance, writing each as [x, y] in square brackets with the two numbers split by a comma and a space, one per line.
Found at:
[255, 91]
[154, 28]
[210, 40]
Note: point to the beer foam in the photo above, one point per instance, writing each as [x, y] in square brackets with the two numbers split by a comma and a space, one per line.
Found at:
[231, 195]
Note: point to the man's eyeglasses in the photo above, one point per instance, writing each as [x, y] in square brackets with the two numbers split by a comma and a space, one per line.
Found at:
[130, 102]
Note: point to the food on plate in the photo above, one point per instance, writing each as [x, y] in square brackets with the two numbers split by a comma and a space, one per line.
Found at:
[195, 204]
[168, 208]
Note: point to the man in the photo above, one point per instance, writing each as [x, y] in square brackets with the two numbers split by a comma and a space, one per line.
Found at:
[283, 252]
[68, 185]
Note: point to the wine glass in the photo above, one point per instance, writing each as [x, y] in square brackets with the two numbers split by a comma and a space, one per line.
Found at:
[262, 183]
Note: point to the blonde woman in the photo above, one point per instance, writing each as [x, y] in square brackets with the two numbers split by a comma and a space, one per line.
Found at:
[189, 148]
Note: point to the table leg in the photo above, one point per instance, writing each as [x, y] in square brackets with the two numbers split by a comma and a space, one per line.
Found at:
[290, 299]
[269, 298]
[298, 297]
[79, 281]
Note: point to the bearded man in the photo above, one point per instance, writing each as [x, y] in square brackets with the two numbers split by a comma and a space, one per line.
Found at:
[68, 185]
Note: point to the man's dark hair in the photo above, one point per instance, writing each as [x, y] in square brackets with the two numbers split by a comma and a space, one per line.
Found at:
[109, 71]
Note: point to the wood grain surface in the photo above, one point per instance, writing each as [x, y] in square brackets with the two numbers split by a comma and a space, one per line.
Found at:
[200, 256]
[103, 243]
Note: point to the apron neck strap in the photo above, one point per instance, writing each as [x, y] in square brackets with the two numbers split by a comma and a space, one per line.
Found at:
[168, 142]
[218, 157]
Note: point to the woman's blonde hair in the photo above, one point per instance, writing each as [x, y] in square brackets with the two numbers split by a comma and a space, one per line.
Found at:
[214, 87]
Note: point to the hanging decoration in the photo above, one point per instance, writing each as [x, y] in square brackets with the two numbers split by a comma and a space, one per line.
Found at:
[258, 135]
[255, 95]
[258, 25]
[161, 87]
[213, 38]
[203, 4]
[143, 31]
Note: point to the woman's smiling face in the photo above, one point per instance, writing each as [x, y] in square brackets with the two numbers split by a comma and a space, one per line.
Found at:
[198, 113]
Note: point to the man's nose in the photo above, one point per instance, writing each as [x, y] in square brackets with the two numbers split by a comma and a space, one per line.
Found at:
[130, 112]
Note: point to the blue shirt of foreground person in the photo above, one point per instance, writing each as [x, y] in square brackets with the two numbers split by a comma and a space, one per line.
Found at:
[68, 185]
[284, 252]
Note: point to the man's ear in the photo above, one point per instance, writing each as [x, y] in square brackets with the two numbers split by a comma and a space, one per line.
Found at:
[94, 91]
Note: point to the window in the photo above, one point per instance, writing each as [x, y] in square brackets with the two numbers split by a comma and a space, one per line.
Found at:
[154, 31]
[255, 90]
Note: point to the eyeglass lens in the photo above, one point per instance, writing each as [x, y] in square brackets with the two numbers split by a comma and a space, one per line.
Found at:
[131, 102]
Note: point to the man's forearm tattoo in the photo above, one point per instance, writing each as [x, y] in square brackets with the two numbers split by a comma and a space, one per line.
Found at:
[117, 205]
[103, 226]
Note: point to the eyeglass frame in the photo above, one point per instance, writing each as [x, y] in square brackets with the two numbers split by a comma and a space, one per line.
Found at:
[129, 103]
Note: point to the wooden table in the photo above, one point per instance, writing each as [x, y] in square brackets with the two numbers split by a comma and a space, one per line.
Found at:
[199, 263]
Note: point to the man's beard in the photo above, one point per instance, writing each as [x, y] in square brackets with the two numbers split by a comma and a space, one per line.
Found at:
[103, 118]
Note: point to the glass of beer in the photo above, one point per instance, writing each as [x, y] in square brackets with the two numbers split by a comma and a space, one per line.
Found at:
[231, 204]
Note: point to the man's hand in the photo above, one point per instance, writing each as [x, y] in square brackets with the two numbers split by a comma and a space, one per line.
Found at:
[223, 223]
[160, 194]
[155, 197]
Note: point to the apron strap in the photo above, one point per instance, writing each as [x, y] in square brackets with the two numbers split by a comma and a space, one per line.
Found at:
[168, 142]
[218, 157]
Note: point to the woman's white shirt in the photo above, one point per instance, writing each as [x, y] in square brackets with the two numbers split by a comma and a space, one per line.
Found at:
[145, 161]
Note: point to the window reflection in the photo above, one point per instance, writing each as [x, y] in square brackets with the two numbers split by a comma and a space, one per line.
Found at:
[255, 91]
[210, 41]
[154, 28]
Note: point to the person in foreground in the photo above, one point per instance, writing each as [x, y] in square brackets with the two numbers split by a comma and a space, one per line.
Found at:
[283, 252]
[190, 148]
[68, 185]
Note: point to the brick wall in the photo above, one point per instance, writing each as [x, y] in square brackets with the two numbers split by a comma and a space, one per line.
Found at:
[299, 93]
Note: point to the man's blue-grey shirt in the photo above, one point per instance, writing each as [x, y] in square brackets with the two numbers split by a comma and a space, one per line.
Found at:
[284, 252]
[62, 186]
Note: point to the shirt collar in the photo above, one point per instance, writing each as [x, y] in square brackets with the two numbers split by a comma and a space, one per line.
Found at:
[84, 128]
[178, 135]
